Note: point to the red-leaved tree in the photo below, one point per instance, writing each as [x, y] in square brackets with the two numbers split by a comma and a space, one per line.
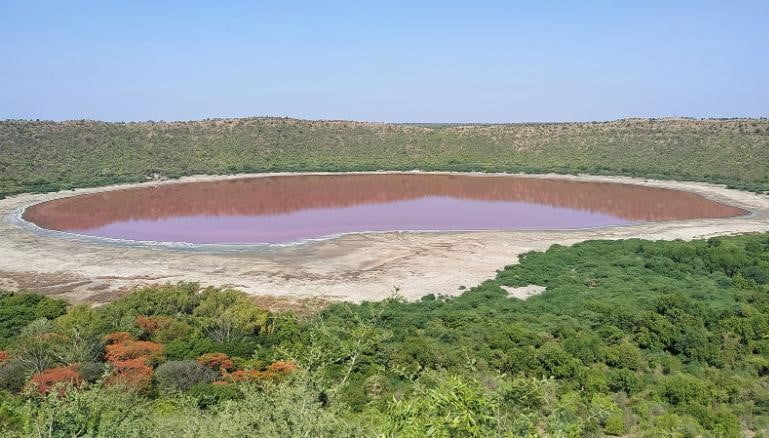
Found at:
[217, 362]
[66, 377]
[132, 373]
[127, 350]
[131, 359]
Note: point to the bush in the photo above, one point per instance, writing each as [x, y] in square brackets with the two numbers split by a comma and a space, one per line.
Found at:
[624, 380]
[95, 412]
[614, 425]
[216, 361]
[13, 375]
[456, 407]
[528, 393]
[683, 388]
[133, 374]
[556, 361]
[17, 310]
[92, 371]
[62, 377]
[10, 415]
[623, 355]
[171, 330]
[182, 375]
[211, 394]
[129, 349]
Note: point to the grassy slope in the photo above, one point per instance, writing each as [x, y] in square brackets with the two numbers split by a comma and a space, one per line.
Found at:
[45, 156]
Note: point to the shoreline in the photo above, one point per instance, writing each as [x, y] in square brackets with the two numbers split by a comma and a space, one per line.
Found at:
[351, 267]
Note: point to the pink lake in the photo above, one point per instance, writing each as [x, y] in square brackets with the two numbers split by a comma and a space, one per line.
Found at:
[284, 209]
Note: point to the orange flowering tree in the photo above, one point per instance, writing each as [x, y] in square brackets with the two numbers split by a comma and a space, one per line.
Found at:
[122, 346]
[66, 376]
[217, 362]
[131, 359]
[127, 350]
[133, 373]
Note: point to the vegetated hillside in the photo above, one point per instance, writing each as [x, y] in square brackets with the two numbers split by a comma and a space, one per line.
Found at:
[46, 156]
[631, 338]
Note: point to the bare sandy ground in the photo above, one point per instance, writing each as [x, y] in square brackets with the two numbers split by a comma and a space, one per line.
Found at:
[523, 292]
[353, 267]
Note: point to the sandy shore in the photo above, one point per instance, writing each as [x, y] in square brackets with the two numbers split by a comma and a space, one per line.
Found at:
[353, 267]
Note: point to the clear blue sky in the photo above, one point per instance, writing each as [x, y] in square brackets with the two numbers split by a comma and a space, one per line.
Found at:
[426, 61]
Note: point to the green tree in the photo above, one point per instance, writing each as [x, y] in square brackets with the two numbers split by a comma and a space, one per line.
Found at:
[453, 408]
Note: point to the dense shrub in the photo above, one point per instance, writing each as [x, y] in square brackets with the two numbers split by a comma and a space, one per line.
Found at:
[17, 310]
[211, 394]
[528, 393]
[92, 371]
[456, 407]
[183, 375]
[13, 375]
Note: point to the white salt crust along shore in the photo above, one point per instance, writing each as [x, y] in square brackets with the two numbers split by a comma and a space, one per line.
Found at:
[351, 267]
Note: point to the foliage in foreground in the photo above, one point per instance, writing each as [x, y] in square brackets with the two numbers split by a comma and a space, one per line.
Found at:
[41, 156]
[631, 338]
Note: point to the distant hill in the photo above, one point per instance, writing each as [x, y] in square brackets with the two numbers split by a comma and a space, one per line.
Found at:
[45, 156]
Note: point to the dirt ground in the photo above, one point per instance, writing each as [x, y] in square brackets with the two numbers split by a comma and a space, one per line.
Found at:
[353, 267]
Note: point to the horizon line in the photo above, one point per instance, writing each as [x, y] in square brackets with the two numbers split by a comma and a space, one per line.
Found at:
[268, 117]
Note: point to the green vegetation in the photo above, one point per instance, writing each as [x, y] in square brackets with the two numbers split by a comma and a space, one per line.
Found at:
[48, 156]
[631, 338]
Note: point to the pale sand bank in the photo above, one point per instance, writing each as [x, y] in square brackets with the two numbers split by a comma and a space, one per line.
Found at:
[523, 292]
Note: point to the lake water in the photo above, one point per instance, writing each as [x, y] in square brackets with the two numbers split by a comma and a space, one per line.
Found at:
[282, 209]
